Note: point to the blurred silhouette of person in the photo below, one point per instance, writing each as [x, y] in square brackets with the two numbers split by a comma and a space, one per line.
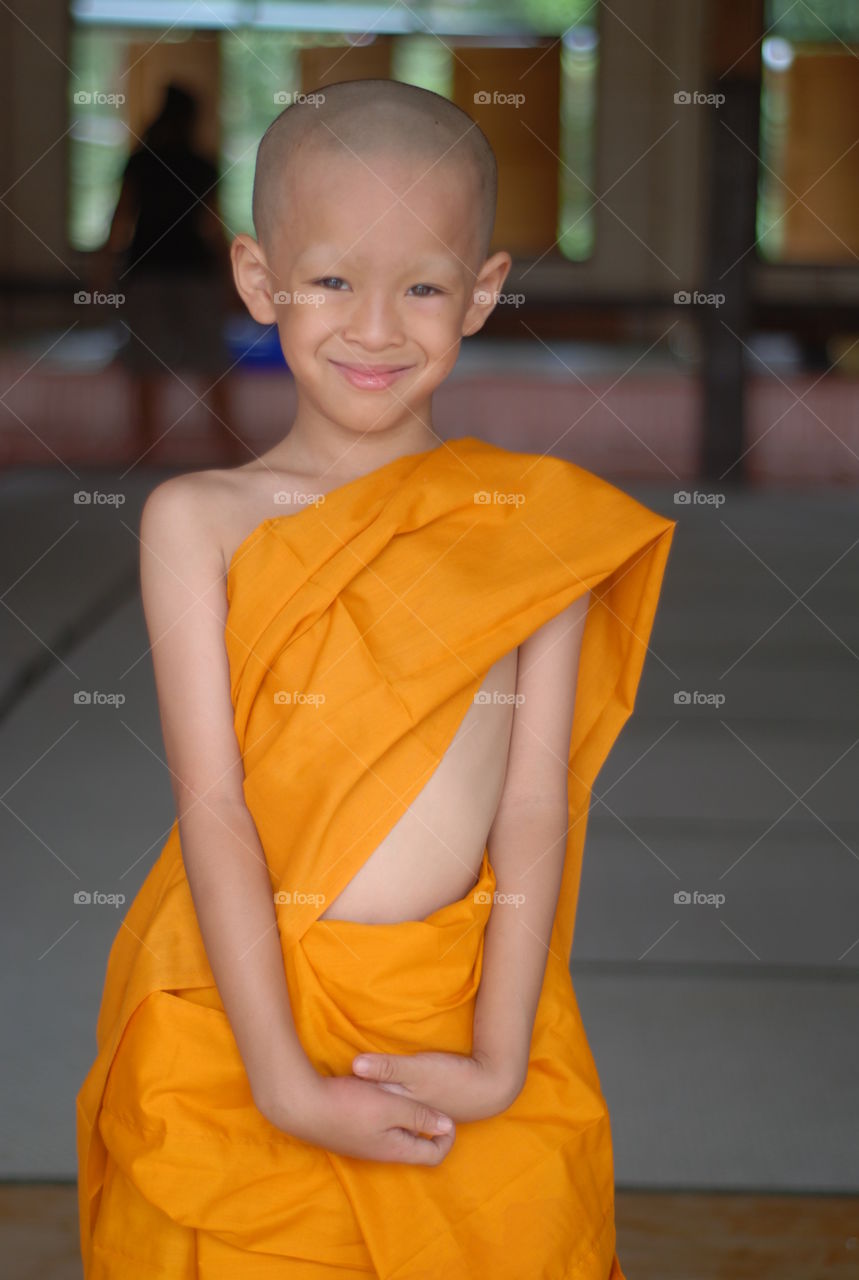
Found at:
[169, 254]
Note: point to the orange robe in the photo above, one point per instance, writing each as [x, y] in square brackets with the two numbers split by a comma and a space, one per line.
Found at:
[392, 598]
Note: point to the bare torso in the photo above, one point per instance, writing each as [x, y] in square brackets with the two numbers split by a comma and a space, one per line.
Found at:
[432, 854]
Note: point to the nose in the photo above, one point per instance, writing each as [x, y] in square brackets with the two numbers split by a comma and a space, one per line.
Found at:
[374, 323]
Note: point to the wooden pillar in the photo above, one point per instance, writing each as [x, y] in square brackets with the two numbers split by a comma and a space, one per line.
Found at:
[329, 64]
[735, 71]
[514, 95]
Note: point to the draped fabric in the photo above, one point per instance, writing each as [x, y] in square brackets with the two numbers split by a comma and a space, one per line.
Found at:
[358, 631]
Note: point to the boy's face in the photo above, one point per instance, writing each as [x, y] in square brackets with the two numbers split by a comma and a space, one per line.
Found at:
[360, 282]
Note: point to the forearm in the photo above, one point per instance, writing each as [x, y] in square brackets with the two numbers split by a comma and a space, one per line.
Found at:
[526, 850]
[234, 902]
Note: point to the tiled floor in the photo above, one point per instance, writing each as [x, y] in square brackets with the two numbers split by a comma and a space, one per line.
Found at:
[727, 1041]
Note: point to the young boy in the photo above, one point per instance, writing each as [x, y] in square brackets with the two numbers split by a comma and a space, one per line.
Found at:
[338, 1035]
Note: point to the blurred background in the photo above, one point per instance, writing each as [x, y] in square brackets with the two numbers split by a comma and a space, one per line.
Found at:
[679, 189]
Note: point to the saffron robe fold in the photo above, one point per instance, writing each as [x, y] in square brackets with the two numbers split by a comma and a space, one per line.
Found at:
[358, 632]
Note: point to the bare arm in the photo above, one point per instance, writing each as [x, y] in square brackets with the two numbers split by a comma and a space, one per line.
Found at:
[527, 844]
[104, 259]
[184, 599]
[124, 217]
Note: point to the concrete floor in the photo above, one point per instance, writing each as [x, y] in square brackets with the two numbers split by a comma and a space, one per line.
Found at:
[727, 1039]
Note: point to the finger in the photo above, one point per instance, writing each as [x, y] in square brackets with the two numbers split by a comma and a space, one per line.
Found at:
[417, 1117]
[406, 1147]
[395, 1088]
[429, 1120]
[378, 1066]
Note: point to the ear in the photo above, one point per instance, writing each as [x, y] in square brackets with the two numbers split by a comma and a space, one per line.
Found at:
[253, 278]
[485, 291]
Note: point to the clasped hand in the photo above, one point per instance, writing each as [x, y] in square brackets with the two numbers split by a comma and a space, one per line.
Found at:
[396, 1109]
[461, 1086]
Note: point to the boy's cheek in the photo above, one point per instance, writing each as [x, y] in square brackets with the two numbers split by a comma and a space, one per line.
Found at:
[301, 338]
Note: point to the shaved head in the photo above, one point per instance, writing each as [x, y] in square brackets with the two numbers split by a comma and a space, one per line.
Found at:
[363, 119]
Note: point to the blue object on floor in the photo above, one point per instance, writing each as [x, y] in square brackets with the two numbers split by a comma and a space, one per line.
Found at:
[253, 344]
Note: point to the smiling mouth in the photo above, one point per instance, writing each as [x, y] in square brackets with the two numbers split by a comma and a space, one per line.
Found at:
[376, 377]
[372, 370]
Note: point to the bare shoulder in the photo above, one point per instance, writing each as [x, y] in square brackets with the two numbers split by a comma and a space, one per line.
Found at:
[185, 608]
[203, 516]
[189, 516]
